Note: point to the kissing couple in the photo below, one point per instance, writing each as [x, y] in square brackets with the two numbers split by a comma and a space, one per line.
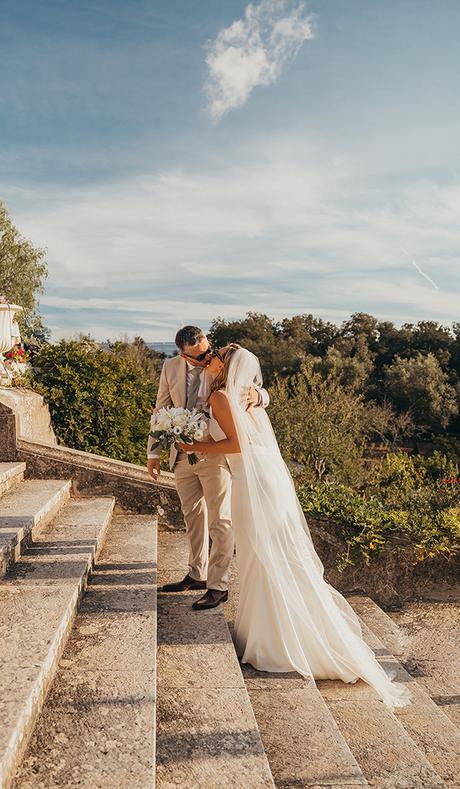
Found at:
[240, 490]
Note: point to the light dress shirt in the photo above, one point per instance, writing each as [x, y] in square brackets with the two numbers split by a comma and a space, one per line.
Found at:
[203, 390]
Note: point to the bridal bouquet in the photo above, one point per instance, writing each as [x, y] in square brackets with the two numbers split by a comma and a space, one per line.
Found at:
[170, 425]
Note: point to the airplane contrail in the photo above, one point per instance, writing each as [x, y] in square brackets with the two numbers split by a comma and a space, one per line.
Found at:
[425, 275]
[420, 270]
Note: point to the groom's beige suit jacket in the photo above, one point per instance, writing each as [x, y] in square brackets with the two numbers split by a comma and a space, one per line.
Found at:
[171, 392]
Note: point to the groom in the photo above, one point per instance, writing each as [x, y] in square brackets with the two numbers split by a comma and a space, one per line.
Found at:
[205, 488]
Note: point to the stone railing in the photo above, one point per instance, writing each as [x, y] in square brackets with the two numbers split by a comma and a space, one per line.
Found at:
[7, 433]
[101, 476]
[26, 435]
[32, 416]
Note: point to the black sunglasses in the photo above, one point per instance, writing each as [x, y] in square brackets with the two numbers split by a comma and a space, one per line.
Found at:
[217, 354]
[202, 356]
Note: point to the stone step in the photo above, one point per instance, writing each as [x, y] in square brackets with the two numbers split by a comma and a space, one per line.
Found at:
[385, 752]
[207, 735]
[302, 741]
[38, 602]
[434, 734]
[24, 511]
[402, 748]
[431, 638]
[10, 475]
[97, 726]
[394, 637]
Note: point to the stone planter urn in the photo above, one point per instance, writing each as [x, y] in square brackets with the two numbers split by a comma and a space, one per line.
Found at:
[9, 337]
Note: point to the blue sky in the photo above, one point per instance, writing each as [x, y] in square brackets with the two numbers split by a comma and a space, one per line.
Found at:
[182, 161]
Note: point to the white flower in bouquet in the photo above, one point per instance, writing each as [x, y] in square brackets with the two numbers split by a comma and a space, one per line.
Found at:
[161, 419]
[173, 425]
[180, 420]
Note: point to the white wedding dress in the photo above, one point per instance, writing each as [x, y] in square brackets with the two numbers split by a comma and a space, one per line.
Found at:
[288, 618]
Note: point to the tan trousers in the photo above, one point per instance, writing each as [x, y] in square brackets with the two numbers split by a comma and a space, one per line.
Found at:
[205, 495]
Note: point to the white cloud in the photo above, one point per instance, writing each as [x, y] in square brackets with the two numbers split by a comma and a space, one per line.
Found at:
[253, 51]
[286, 229]
[158, 319]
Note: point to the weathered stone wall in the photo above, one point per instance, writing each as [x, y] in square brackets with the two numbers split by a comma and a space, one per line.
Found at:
[33, 421]
[391, 578]
[7, 433]
[97, 475]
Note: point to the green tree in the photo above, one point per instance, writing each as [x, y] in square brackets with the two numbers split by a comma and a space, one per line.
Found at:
[319, 425]
[261, 335]
[455, 348]
[139, 353]
[99, 402]
[361, 324]
[392, 342]
[22, 272]
[431, 337]
[280, 347]
[350, 361]
[386, 426]
[309, 334]
[367, 357]
[421, 385]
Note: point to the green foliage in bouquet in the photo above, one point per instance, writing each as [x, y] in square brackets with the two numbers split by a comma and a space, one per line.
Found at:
[99, 402]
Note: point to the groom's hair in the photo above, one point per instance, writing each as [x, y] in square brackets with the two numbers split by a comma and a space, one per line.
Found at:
[188, 335]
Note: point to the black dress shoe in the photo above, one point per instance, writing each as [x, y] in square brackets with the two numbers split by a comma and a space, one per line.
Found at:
[211, 599]
[185, 585]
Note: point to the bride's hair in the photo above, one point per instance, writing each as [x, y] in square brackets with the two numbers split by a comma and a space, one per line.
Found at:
[220, 381]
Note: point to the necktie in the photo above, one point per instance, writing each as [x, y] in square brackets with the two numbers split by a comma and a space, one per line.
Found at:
[193, 388]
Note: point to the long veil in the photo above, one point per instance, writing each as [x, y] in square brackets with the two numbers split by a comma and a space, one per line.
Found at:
[281, 539]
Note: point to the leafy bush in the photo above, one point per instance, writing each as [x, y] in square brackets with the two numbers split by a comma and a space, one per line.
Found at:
[99, 402]
[394, 477]
[319, 425]
[416, 507]
[449, 446]
[420, 383]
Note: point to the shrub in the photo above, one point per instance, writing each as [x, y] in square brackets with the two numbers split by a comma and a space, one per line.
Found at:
[417, 508]
[319, 425]
[98, 402]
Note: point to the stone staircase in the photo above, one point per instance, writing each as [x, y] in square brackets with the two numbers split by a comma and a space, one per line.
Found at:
[72, 683]
[97, 725]
[334, 734]
[95, 694]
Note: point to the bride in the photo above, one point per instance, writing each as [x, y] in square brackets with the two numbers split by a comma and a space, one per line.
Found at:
[288, 618]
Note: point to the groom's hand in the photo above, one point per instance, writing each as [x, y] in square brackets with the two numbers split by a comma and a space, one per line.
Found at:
[153, 467]
[253, 398]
